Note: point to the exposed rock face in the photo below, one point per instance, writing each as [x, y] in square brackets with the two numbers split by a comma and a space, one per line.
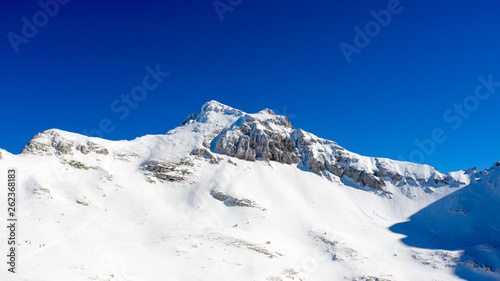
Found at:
[261, 136]
[165, 171]
[0, 154]
[83, 201]
[205, 153]
[268, 111]
[217, 107]
[92, 147]
[219, 195]
[48, 143]
[272, 138]
[259, 139]
[79, 165]
[233, 201]
[51, 142]
[190, 118]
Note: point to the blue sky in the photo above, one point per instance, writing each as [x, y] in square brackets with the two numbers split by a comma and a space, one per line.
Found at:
[404, 87]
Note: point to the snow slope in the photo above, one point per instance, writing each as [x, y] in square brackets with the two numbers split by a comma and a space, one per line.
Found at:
[467, 220]
[235, 196]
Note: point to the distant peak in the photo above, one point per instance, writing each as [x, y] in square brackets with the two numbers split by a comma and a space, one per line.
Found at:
[53, 132]
[212, 112]
[211, 104]
[57, 134]
[217, 107]
[267, 111]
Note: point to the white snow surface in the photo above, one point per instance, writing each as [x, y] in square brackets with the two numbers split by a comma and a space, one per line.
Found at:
[146, 209]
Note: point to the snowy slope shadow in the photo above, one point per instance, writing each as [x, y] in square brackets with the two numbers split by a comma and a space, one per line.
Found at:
[468, 221]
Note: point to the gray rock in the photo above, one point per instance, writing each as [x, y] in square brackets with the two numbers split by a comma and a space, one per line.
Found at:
[62, 146]
[205, 153]
[51, 142]
[219, 195]
[274, 139]
[92, 147]
[258, 139]
[58, 145]
[191, 117]
[83, 201]
[78, 165]
[166, 171]
[83, 149]
[231, 201]
[268, 111]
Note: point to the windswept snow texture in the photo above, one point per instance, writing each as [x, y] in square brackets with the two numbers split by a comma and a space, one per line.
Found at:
[235, 196]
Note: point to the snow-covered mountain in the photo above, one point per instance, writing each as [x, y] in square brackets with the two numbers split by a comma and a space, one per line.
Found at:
[235, 196]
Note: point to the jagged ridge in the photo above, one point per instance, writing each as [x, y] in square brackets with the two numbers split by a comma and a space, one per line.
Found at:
[263, 136]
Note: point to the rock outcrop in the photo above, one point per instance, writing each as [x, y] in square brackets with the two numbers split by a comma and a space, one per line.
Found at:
[232, 201]
[92, 147]
[165, 171]
[53, 142]
[264, 136]
[259, 139]
[206, 154]
[274, 139]
[268, 137]
[48, 143]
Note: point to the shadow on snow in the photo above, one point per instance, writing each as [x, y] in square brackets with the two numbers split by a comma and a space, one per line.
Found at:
[467, 220]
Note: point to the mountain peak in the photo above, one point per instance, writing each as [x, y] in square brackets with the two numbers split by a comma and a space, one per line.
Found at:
[267, 111]
[234, 185]
[217, 107]
[211, 112]
[221, 129]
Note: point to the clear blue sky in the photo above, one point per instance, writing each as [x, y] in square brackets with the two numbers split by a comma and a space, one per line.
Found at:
[283, 55]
